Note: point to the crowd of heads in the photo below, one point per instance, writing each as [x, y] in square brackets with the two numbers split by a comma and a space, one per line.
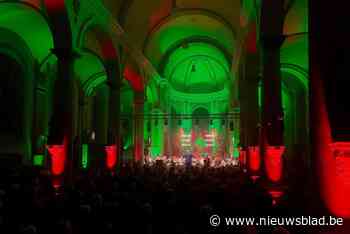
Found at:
[149, 198]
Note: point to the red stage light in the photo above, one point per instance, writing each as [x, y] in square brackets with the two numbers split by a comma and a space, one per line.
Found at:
[254, 158]
[341, 182]
[111, 156]
[242, 157]
[58, 158]
[254, 177]
[274, 162]
[276, 195]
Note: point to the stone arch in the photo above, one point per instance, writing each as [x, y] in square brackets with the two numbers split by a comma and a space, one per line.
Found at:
[94, 95]
[14, 48]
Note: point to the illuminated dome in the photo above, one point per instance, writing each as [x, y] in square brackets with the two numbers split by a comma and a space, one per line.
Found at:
[197, 68]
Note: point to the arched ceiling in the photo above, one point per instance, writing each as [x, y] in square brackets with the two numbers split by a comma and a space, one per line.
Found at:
[93, 73]
[165, 31]
[138, 18]
[185, 27]
[22, 19]
[157, 26]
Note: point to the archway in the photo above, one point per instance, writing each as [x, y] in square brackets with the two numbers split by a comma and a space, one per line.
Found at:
[18, 71]
[11, 97]
[14, 128]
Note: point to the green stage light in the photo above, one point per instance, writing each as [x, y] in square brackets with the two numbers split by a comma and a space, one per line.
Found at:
[85, 156]
[38, 160]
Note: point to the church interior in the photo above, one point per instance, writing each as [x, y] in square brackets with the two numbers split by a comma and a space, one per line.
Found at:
[154, 116]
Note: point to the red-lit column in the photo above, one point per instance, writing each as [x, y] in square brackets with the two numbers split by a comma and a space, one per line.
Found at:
[251, 113]
[138, 126]
[62, 124]
[114, 133]
[242, 158]
[272, 18]
[329, 106]
[249, 83]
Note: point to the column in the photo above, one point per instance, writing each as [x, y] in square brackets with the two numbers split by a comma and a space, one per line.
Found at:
[272, 19]
[329, 107]
[250, 113]
[63, 121]
[102, 109]
[138, 126]
[114, 123]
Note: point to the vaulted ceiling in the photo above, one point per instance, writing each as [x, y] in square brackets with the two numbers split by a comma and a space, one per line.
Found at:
[139, 17]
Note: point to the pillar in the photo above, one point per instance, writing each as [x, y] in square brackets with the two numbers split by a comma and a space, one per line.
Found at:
[102, 109]
[114, 118]
[249, 85]
[329, 106]
[63, 121]
[138, 126]
[40, 122]
[272, 20]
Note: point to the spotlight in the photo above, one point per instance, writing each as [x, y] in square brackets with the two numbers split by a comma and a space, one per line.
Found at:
[93, 136]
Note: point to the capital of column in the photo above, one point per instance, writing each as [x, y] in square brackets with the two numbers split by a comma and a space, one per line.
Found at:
[64, 53]
[272, 41]
[114, 86]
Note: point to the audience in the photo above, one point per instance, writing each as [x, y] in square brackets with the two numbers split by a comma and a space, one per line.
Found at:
[136, 199]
